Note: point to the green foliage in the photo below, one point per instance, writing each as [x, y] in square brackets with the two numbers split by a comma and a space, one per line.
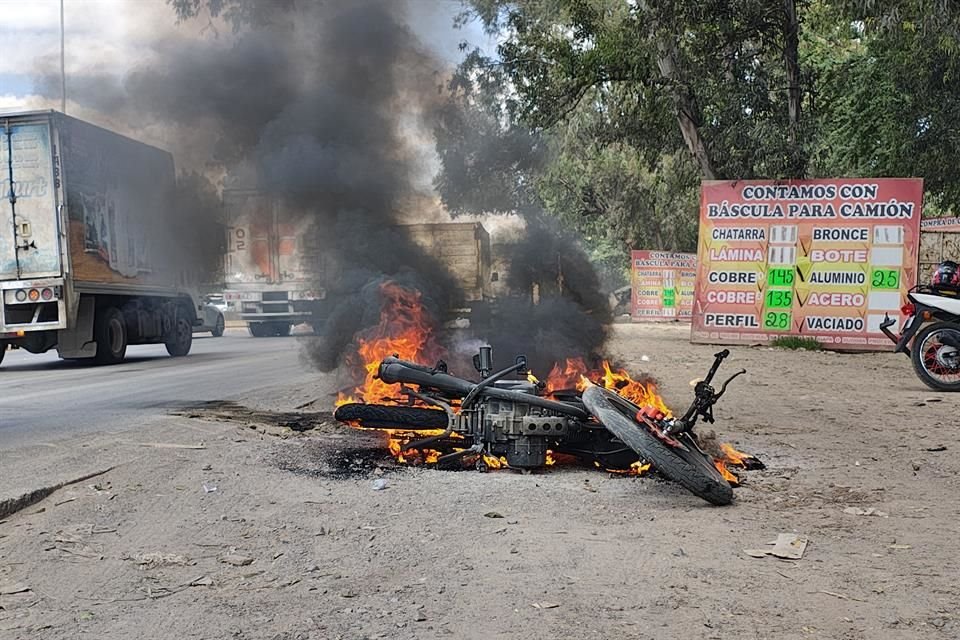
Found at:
[796, 343]
[890, 97]
[622, 93]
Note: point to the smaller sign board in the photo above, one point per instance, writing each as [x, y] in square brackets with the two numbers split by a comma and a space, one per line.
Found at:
[663, 285]
[951, 225]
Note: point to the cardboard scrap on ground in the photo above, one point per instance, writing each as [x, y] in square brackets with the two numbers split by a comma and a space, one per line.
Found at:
[788, 546]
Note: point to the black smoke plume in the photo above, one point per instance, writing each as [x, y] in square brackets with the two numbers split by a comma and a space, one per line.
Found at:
[315, 104]
[554, 308]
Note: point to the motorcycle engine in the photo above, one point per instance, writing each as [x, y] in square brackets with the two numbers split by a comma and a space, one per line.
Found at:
[519, 432]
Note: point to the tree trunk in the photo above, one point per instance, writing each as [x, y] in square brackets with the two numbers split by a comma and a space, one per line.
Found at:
[791, 42]
[688, 113]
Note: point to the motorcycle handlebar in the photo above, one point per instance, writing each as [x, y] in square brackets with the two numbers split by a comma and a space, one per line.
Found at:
[717, 359]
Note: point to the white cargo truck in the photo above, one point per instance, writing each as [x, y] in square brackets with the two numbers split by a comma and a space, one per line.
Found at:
[277, 274]
[272, 265]
[91, 250]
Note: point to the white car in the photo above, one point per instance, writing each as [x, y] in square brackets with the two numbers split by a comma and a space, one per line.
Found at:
[212, 316]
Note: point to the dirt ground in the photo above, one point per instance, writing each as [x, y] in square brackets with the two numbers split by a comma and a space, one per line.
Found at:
[289, 540]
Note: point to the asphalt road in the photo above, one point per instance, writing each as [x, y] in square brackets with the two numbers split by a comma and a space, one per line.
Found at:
[45, 398]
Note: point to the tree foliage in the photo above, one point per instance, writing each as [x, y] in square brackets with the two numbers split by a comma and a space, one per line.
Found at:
[634, 102]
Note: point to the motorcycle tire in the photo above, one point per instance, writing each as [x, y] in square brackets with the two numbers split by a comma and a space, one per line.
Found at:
[691, 469]
[918, 357]
[378, 416]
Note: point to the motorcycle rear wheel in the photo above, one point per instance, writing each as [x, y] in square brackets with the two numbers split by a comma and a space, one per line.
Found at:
[379, 416]
[929, 360]
[691, 469]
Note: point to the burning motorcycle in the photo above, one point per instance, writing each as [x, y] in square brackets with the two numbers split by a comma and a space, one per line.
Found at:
[931, 332]
[499, 420]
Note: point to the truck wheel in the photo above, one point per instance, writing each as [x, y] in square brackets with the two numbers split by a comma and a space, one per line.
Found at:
[182, 339]
[218, 327]
[3, 352]
[258, 329]
[110, 334]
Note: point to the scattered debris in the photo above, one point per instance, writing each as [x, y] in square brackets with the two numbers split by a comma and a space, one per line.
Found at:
[10, 589]
[155, 560]
[492, 514]
[380, 484]
[857, 511]
[544, 605]
[936, 449]
[236, 560]
[788, 546]
[208, 489]
[901, 546]
[201, 581]
[170, 445]
[934, 400]
[207, 467]
[839, 595]
[57, 504]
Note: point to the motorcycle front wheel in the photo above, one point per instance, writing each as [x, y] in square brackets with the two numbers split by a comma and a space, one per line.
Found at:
[691, 469]
[937, 364]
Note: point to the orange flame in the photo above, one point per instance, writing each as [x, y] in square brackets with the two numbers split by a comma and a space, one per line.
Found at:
[573, 373]
[728, 475]
[731, 458]
[565, 377]
[405, 329]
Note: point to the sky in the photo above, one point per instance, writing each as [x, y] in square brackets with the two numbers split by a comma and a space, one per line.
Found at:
[114, 35]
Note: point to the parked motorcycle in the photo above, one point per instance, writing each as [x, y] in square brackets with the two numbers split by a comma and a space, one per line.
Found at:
[510, 419]
[930, 336]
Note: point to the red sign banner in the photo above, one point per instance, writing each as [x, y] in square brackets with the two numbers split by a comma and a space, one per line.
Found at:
[825, 259]
[950, 225]
[663, 284]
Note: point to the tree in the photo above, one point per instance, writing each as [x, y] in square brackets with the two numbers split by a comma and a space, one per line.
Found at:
[889, 100]
[721, 78]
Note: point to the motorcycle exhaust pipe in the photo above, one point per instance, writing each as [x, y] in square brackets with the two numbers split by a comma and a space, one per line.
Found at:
[394, 370]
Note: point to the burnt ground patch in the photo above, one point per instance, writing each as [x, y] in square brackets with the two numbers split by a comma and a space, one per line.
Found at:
[320, 446]
[229, 411]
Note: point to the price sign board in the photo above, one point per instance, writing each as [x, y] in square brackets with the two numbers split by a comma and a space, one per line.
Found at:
[825, 259]
[663, 284]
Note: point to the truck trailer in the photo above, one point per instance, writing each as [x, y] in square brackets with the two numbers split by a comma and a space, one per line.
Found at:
[91, 251]
[277, 274]
[271, 265]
